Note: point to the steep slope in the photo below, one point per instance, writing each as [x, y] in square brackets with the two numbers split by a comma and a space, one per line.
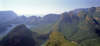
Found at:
[7, 15]
[58, 39]
[92, 9]
[97, 9]
[67, 24]
[19, 36]
[80, 31]
[82, 14]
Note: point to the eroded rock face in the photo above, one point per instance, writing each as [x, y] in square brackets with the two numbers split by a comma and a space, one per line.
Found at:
[72, 15]
[92, 9]
[65, 17]
[89, 17]
[96, 18]
[82, 14]
[68, 17]
[97, 9]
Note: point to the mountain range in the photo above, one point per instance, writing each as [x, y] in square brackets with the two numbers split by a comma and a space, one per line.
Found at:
[69, 29]
[83, 29]
[78, 10]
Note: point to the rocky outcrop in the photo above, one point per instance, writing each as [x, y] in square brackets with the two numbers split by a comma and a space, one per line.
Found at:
[82, 14]
[97, 9]
[65, 17]
[72, 15]
[92, 9]
[96, 18]
[89, 17]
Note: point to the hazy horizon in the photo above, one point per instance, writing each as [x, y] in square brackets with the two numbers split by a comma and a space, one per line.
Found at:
[43, 7]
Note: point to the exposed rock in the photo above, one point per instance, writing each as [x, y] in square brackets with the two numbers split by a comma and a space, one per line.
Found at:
[89, 18]
[96, 18]
[97, 9]
[72, 15]
[65, 17]
[82, 14]
[92, 9]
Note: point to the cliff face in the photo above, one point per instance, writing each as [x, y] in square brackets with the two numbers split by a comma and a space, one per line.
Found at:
[97, 9]
[88, 29]
[72, 15]
[92, 9]
[65, 17]
[68, 17]
[82, 14]
[19, 36]
[88, 17]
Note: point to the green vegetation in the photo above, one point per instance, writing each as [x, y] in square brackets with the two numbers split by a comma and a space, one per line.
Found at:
[42, 29]
[83, 30]
[79, 31]
[58, 39]
[91, 42]
[20, 36]
[82, 14]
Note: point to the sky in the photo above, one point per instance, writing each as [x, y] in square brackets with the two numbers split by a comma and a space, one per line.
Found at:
[41, 7]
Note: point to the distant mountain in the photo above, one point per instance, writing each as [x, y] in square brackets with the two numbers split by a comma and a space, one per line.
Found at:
[20, 36]
[18, 20]
[83, 30]
[78, 10]
[7, 15]
[33, 20]
[49, 19]
[58, 39]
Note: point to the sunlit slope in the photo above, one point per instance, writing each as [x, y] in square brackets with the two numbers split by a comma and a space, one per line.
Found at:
[58, 39]
[82, 28]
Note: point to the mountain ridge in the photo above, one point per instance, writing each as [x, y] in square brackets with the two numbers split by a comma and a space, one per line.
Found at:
[18, 37]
